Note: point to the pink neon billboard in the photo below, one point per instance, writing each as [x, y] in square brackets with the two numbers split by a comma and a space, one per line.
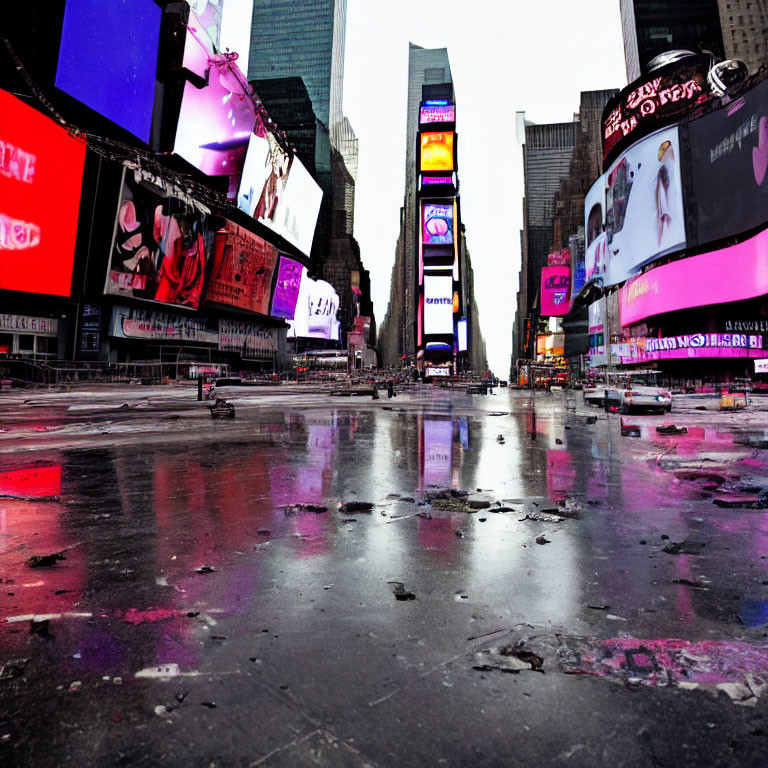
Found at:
[730, 274]
[555, 291]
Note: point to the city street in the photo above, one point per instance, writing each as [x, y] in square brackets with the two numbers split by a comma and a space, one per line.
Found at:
[432, 579]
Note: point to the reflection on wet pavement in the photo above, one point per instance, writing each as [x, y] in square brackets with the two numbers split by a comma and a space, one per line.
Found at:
[221, 559]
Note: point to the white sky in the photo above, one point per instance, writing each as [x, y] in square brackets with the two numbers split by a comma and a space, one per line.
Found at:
[506, 55]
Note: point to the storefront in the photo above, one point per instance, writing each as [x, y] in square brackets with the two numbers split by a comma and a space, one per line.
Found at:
[35, 338]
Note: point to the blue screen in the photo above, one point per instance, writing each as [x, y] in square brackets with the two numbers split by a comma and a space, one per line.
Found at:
[108, 59]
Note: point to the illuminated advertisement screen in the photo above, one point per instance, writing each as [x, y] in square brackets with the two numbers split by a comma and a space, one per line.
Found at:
[658, 99]
[642, 218]
[316, 308]
[730, 274]
[41, 170]
[433, 180]
[761, 366]
[151, 325]
[555, 291]
[461, 334]
[559, 258]
[437, 224]
[108, 59]
[437, 151]
[251, 341]
[729, 159]
[691, 345]
[286, 288]
[278, 191]
[443, 113]
[242, 269]
[438, 305]
[215, 121]
[158, 248]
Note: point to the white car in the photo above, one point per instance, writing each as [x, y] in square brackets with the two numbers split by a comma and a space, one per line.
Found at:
[596, 395]
[647, 398]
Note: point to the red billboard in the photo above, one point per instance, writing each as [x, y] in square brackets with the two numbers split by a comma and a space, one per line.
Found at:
[555, 291]
[243, 265]
[41, 170]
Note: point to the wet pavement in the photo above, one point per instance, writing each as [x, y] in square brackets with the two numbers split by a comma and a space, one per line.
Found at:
[530, 587]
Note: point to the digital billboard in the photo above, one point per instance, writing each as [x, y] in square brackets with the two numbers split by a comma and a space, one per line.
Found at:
[41, 171]
[691, 345]
[438, 305]
[461, 335]
[437, 224]
[108, 59]
[559, 258]
[659, 99]
[643, 213]
[555, 291]
[278, 191]
[286, 288]
[761, 365]
[158, 248]
[729, 159]
[437, 151]
[242, 269]
[730, 274]
[215, 121]
[437, 113]
[316, 308]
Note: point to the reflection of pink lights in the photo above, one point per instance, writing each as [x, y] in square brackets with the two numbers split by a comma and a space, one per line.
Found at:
[37, 483]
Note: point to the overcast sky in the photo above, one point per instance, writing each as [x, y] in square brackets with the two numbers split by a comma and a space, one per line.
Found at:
[506, 55]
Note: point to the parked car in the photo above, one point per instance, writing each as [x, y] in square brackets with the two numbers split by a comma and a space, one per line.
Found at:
[644, 398]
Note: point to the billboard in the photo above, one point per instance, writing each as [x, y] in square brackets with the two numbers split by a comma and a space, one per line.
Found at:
[438, 305]
[216, 120]
[642, 210]
[461, 335]
[316, 308]
[729, 159]
[555, 291]
[286, 288]
[761, 365]
[152, 325]
[250, 340]
[158, 247]
[437, 151]
[658, 99]
[278, 191]
[437, 113]
[730, 274]
[559, 258]
[691, 345]
[108, 59]
[41, 171]
[242, 269]
[437, 224]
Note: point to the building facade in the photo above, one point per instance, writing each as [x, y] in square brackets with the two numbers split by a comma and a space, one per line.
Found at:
[745, 31]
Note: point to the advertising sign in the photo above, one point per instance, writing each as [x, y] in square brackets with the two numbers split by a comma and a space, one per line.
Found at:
[695, 345]
[442, 113]
[243, 265]
[35, 326]
[108, 59]
[216, 120]
[438, 305]
[729, 159]
[286, 288]
[761, 366]
[41, 170]
[559, 258]
[252, 341]
[316, 308]
[158, 250]
[555, 291]
[90, 328]
[437, 224]
[658, 99]
[150, 325]
[461, 334]
[643, 217]
[427, 181]
[437, 151]
[730, 274]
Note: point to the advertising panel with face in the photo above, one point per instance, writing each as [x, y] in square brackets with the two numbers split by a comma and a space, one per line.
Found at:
[644, 206]
[215, 121]
[555, 291]
[316, 308]
[437, 152]
[437, 224]
[729, 159]
[438, 305]
[41, 171]
[243, 265]
[596, 254]
[660, 98]
[158, 250]
[108, 61]
[286, 288]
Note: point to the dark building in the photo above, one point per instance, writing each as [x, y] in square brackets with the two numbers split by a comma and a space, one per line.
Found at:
[651, 27]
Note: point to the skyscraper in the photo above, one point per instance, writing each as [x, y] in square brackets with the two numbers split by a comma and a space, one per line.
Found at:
[651, 27]
[745, 31]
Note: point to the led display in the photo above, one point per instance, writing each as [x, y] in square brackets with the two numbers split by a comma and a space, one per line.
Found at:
[108, 59]
[434, 180]
[461, 334]
[691, 345]
[316, 308]
[41, 171]
[242, 269]
[443, 113]
[158, 249]
[555, 291]
[761, 366]
[286, 288]
[438, 305]
[437, 151]
[437, 224]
